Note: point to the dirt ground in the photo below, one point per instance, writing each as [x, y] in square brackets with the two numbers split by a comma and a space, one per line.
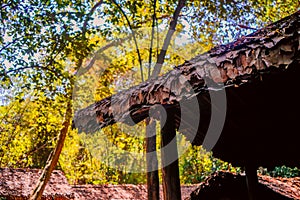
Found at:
[124, 192]
[18, 184]
[221, 185]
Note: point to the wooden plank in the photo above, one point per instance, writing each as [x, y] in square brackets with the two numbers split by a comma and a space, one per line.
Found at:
[169, 160]
[151, 159]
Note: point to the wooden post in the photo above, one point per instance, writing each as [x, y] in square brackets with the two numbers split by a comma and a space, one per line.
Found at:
[169, 160]
[252, 181]
[151, 159]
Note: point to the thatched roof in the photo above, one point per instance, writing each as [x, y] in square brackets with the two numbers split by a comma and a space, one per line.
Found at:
[17, 184]
[259, 74]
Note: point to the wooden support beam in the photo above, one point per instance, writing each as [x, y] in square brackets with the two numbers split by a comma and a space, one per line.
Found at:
[169, 159]
[252, 181]
[151, 159]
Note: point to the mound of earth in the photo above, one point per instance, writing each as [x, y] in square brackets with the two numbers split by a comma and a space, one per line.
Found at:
[229, 186]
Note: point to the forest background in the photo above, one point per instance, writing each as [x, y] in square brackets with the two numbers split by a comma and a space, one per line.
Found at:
[57, 53]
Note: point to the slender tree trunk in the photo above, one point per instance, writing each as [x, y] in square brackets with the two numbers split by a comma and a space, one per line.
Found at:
[169, 184]
[151, 153]
[53, 157]
[162, 54]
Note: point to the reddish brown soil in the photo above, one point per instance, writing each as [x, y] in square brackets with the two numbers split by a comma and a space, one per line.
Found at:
[221, 185]
[124, 192]
[18, 183]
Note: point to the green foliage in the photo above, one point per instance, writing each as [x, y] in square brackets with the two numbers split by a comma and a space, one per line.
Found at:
[44, 43]
[28, 131]
[281, 171]
[284, 171]
[100, 158]
[273, 10]
[196, 164]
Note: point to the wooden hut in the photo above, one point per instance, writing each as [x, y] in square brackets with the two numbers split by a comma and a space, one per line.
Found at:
[17, 184]
[258, 74]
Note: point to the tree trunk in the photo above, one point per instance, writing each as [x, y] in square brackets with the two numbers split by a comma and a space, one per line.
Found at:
[53, 157]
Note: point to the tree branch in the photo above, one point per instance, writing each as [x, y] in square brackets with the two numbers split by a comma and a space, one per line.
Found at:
[13, 41]
[53, 157]
[134, 37]
[162, 54]
[89, 16]
[82, 71]
[152, 37]
[84, 28]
